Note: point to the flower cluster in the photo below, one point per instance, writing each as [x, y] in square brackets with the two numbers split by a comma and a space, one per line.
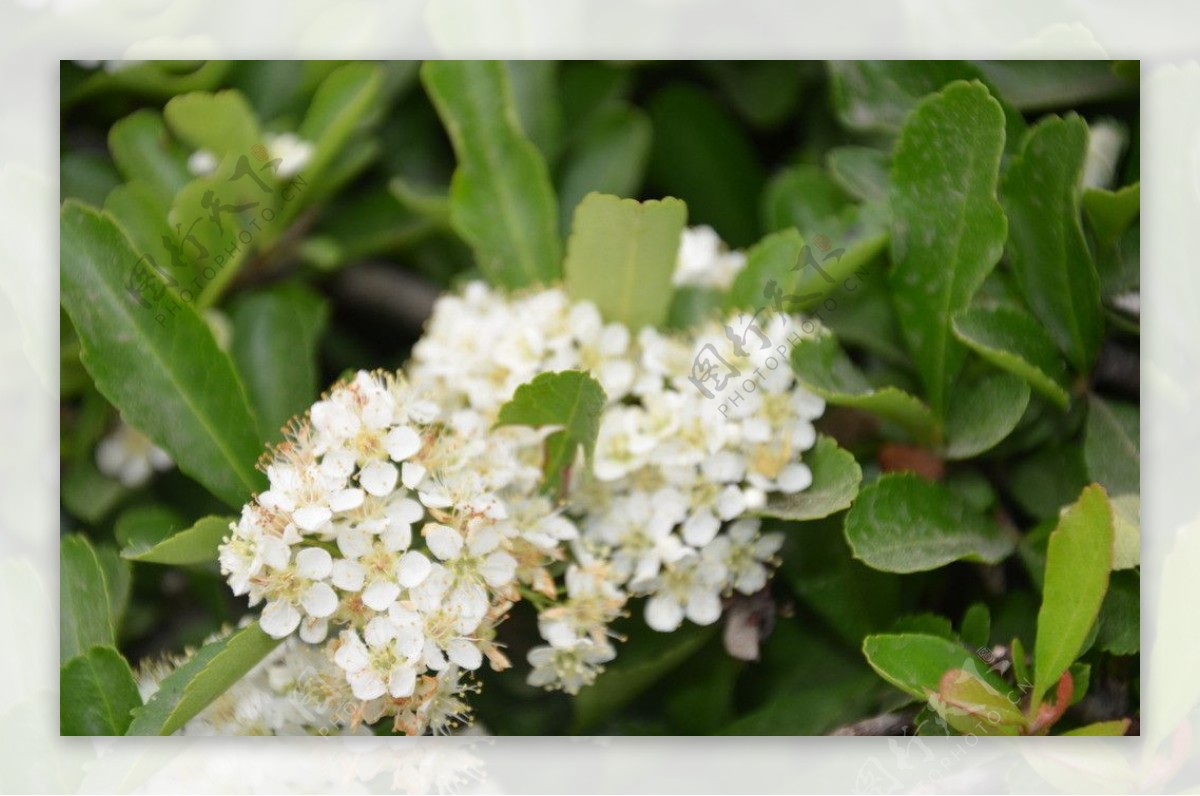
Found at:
[130, 457]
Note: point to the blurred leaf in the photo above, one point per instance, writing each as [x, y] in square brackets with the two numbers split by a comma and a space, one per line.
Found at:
[571, 399]
[948, 229]
[621, 257]
[222, 123]
[763, 92]
[195, 545]
[916, 663]
[535, 89]
[1112, 445]
[586, 87]
[1077, 565]
[144, 151]
[927, 624]
[274, 346]
[1041, 85]
[342, 102]
[1013, 341]
[207, 674]
[702, 156]
[641, 663]
[85, 613]
[609, 156]
[167, 376]
[983, 411]
[1120, 629]
[1117, 727]
[902, 523]
[118, 581]
[976, 629]
[1127, 531]
[801, 196]
[1046, 247]
[97, 694]
[134, 206]
[825, 370]
[808, 709]
[861, 171]
[835, 479]
[89, 494]
[502, 201]
[142, 527]
[772, 260]
[690, 305]
[1048, 479]
[1110, 213]
[86, 176]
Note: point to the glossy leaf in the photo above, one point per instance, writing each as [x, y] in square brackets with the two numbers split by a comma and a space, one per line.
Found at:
[1046, 247]
[948, 230]
[1112, 445]
[835, 479]
[97, 694]
[338, 108]
[1119, 628]
[983, 411]
[163, 371]
[861, 171]
[85, 611]
[195, 545]
[502, 202]
[621, 257]
[902, 523]
[915, 663]
[1013, 341]
[1078, 562]
[970, 704]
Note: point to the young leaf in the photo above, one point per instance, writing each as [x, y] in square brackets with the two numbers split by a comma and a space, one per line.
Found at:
[1117, 727]
[609, 156]
[983, 412]
[275, 335]
[1078, 562]
[948, 230]
[571, 400]
[146, 153]
[1112, 445]
[1127, 531]
[621, 257]
[205, 676]
[195, 545]
[163, 371]
[223, 123]
[835, 479]
[85, 610]
[1110, 213]
[1046, 247]
[1013, 341]
[970, 704]
[902, 523]
[97, 694]
[826, 370]
[915, 663]
[502, 202]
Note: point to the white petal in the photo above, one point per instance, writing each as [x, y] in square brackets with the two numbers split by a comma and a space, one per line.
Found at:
[405, 511]
[700, 528]
[412, 569]
[352, 654]
[319, 600]
[403, 681]
[277, 500]
[380, 594]
[465, 654]
[380, 632]
[366, 684]
[412, 474]
[354, 542]
[704, 606]
[730, 503]
[433, 657]
[348, 575]
[274, 552]
[379, 478]
[331, 417]
[498, 569]
[279, 619]
[314, 563]
[311, 518]
[313, 630]
[443, 541]
[337, 464]
[663, 614]
[402, 442]
[346, 499]
[794, 478]
[436, 499]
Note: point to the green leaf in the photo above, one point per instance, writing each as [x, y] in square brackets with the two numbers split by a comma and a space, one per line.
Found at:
[621, 257]
[970, 704]
[145, 152]
[1112, 445]
[142, 527]
[861, 171]
[976, 627]
[134, 207]
[338, 109]
[637, 667]
[163, 371]
[983, 411]
[1078, 561]
[502, 202]
[223, 123]
[915, 663]
[1046, 248]
[1049, 479]
[1110, 213]
[85, 613]
[801, 197]
[87, 176]
[570, 399]
[1039, 85]
[763, 92]
[97, 694]
[948, 230]
[535, 88]
[1013, 341]
[118, 581]
[275, 336]
[826, 370]
[926, 623]
[1120, 628]
[902, 523]
[772, 259]
[205, 676]
[609, 156]
[835, 479]
[702, 155]
[195, 545]
[1127, 531]
[1117, 727]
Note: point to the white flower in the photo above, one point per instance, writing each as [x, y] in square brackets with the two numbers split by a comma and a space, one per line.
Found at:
[130, 457]
[569, 668]
[202, 163]
[292, 152]
[691, 588]
[705, 262]
[745, 554]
